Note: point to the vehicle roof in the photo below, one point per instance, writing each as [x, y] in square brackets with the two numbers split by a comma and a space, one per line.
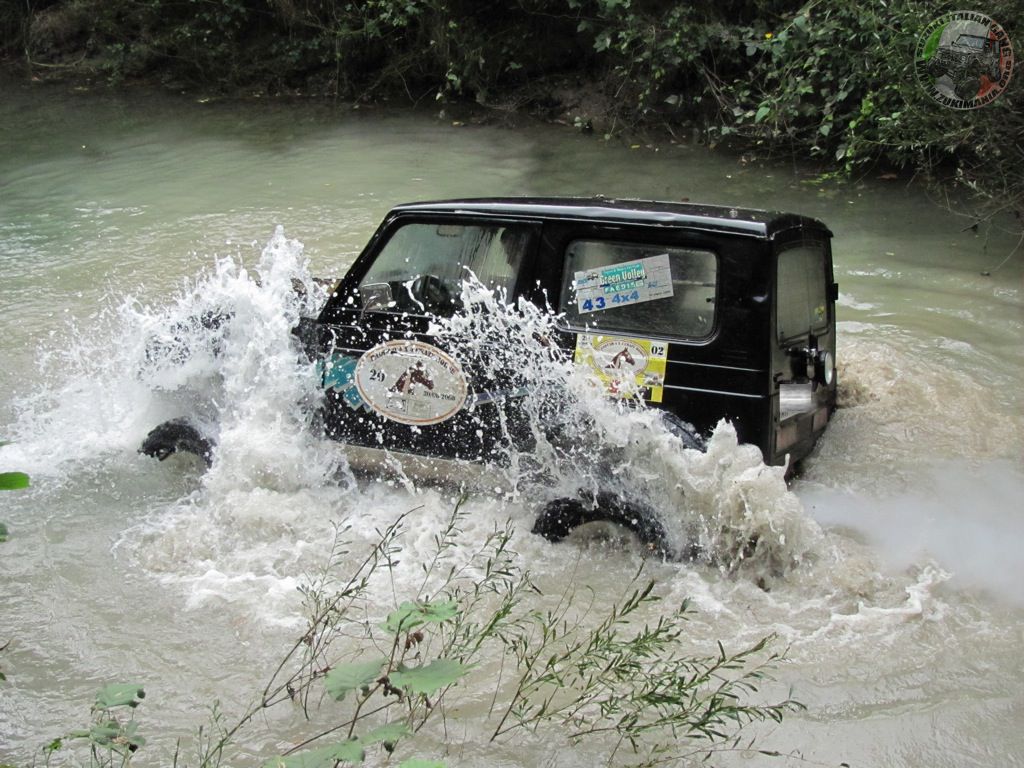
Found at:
[718, 218]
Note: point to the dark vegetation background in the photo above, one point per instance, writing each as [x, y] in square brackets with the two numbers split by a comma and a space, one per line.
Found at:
[832, 82]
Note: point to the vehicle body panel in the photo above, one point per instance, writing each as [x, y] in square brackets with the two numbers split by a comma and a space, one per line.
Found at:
[734, 366]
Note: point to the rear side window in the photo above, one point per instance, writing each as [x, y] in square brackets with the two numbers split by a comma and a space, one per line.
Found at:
[802, 304]
[638, 288]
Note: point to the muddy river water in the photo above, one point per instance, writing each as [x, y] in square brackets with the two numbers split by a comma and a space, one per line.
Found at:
[903, 614]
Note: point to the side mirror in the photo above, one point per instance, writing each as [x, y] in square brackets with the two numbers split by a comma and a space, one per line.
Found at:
[376, 296]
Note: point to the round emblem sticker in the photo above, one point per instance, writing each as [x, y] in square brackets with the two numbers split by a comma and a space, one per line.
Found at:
[964, 59]
[619, 358]
[411, 382]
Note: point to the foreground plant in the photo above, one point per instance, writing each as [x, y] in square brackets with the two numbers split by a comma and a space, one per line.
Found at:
[10, 481]
[112, 737]
[572, 665]
[587, 667]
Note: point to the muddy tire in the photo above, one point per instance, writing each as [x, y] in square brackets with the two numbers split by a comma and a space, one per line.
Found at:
[177, 436]
[559, 518]
[684, 430]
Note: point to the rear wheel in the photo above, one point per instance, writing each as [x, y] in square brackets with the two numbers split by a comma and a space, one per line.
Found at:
[684, 430]
[601, 516]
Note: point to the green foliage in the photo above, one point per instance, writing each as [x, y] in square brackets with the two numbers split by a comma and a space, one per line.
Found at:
[658, 53]
[112, 739]
[11, 481]
[355, 50]
[350, 752]
[119, 695]
[351, 677]
[411, 615]
[427, 679]
[834, 82]
[623, 674]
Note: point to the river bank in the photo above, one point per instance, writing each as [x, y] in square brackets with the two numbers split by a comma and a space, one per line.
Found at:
[768, 81]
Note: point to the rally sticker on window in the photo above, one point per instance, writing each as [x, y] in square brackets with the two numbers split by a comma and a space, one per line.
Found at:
[411, 382]
[628, 367]
[617, 285]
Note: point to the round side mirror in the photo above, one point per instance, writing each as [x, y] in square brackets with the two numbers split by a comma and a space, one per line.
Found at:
[824, 367]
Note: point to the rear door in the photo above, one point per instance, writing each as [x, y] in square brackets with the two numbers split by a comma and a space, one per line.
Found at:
[805, 345]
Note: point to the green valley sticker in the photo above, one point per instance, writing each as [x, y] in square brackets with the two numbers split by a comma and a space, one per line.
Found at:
[617, 285]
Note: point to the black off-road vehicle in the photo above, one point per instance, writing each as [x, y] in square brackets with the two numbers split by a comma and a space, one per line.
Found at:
[704, 312]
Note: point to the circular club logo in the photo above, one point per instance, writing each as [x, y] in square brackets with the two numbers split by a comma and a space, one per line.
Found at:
[411, 382]
[619, 358]
[964, 59]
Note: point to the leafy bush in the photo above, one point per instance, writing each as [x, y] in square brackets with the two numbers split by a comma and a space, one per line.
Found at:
[830, 81]
[833, 82]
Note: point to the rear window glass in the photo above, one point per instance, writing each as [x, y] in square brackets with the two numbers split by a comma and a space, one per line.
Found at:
[641, 289]
[801, 290]
[445, 254]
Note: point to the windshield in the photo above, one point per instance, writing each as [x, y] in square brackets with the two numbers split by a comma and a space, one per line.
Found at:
[421, 267]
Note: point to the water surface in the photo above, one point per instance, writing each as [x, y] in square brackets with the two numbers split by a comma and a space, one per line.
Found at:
[903, 620]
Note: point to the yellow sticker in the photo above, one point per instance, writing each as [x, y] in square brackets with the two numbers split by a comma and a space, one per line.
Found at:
[628, 367]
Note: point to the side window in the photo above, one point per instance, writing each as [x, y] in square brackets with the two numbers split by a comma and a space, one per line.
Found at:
[801, 293]
[422, 265]
[639, 288]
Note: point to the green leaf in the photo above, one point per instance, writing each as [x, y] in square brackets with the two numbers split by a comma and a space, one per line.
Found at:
[350, 677]
[417, 762]
[119, 695]
[104, 733]
[762, 113]
[410, 615]
[388, 734]
[430, 677]
[4, 533]
[12, 481]
[323, 757]
[932, 45]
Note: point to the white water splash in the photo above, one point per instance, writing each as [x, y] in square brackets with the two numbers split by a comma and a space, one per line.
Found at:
[724, 504]
[221, 353]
